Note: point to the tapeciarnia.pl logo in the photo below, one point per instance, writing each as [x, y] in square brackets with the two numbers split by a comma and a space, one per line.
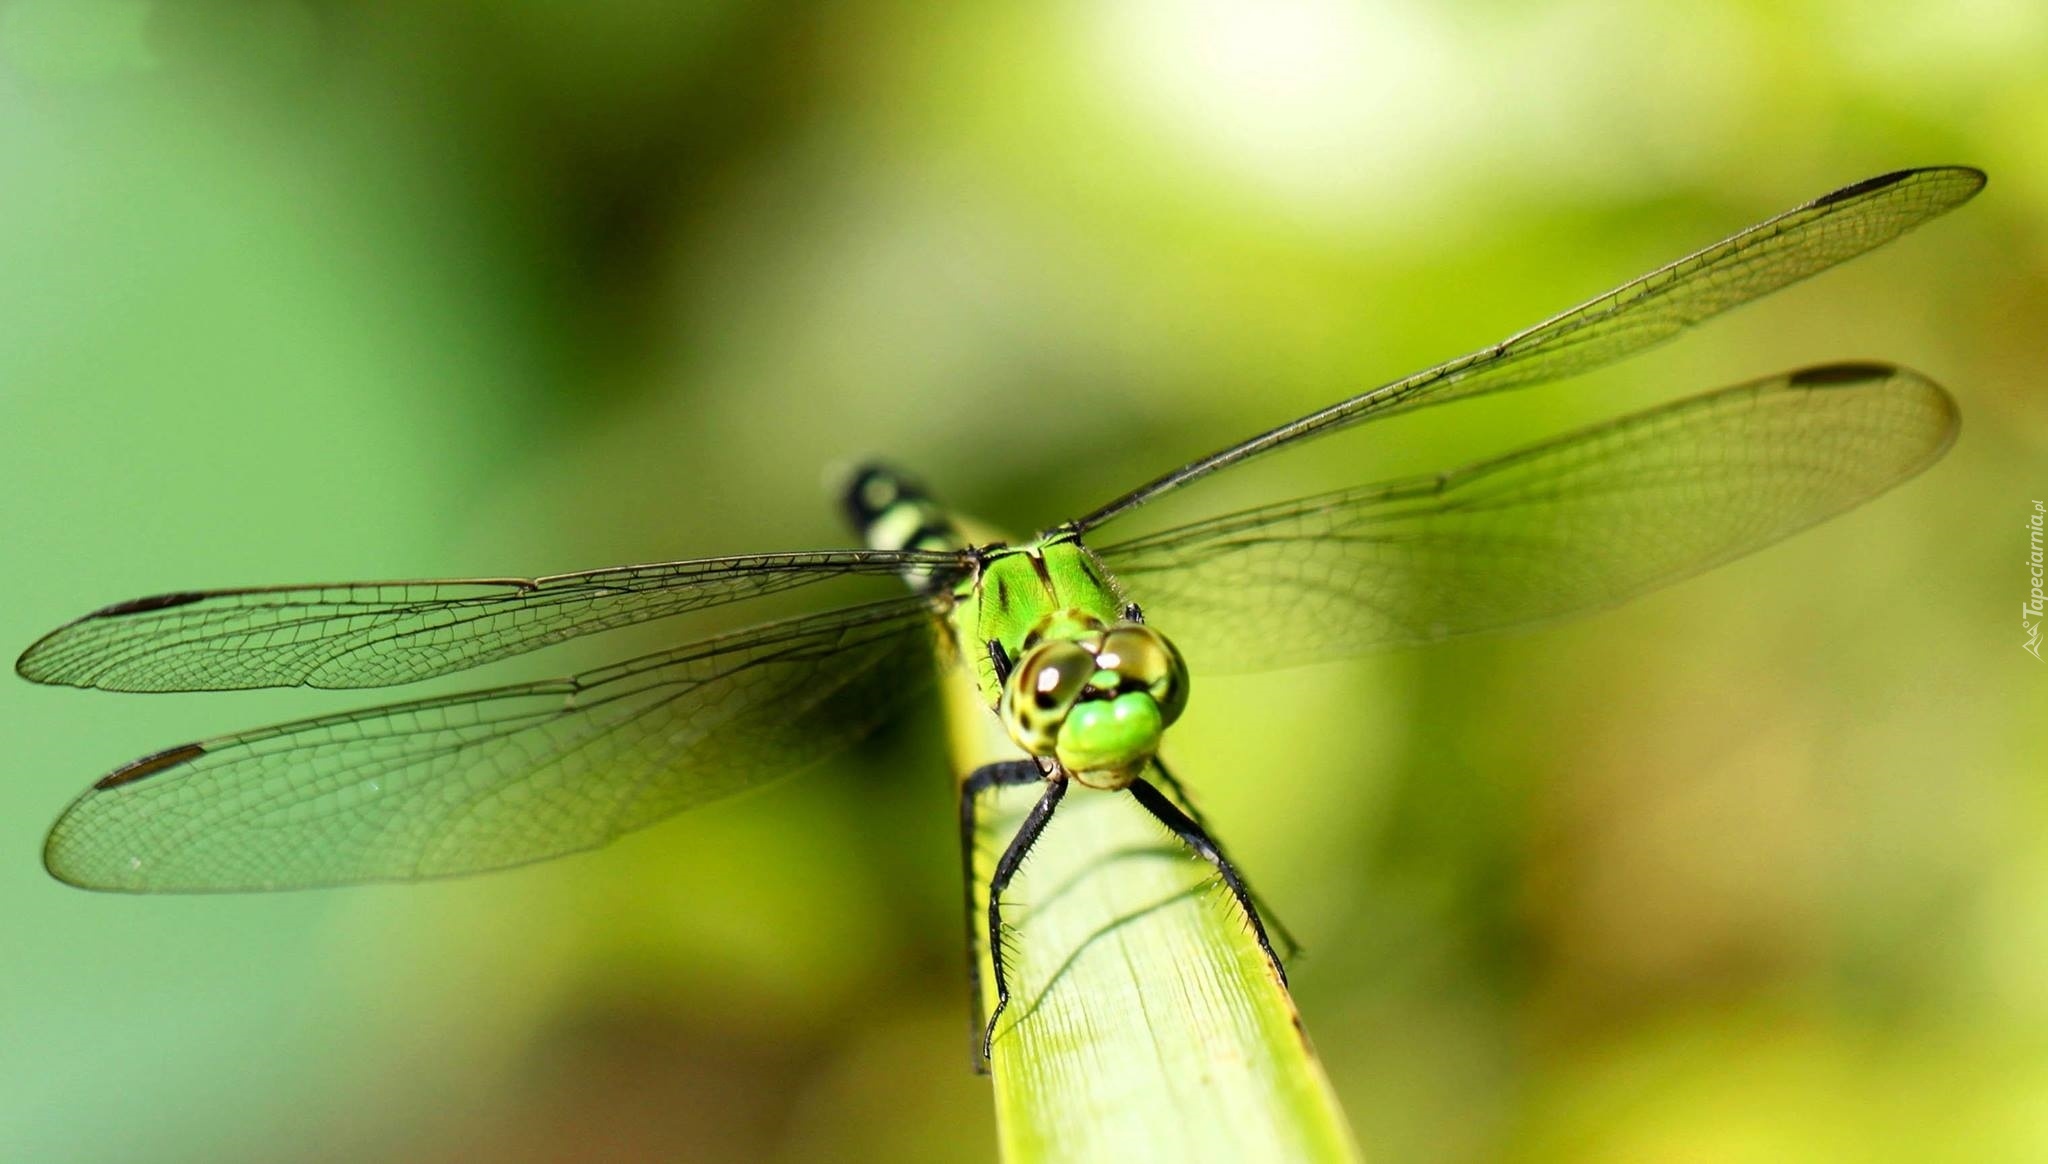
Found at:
[2030, 614]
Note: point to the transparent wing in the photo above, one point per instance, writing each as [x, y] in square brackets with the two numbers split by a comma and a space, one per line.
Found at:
[1765, 258]
[1577, 523]
[494, 778]
[372, 634]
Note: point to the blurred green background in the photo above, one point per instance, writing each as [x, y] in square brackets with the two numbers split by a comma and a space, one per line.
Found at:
[1754, 869]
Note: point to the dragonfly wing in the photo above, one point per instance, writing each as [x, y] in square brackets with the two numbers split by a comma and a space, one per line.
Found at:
[1767, 257]
[494, 778]
[373, 634]
[1574, 524]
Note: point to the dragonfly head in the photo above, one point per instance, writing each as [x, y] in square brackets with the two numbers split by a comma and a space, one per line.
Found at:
[1094, 697]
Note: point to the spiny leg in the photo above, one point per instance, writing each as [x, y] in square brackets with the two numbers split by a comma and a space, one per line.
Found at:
[1198, 839]
[979, 781]
[1012, 860]
[1187, 803]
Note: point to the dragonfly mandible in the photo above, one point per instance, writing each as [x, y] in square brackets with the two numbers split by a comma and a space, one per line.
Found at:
[1081, 644]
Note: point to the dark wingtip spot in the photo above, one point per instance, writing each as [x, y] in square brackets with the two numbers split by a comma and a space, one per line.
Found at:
[1864, 187]
[153, 602]
[1832, 375]
[150, 765]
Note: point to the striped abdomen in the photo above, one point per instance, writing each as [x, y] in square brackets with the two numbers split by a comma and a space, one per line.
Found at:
[890, 511]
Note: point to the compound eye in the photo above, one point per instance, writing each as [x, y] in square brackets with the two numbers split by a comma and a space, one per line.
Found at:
[1043, 688]
[1060, 625]
[1144, 659]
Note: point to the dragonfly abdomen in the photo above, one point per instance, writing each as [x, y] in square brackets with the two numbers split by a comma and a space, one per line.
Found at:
[892, 512]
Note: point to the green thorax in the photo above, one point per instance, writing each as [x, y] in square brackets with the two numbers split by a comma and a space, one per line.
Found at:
[1018, 587]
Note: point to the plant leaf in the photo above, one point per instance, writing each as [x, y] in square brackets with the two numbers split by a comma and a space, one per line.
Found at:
[1145, 1022]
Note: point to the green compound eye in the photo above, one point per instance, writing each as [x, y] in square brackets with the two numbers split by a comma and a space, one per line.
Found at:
[1063, 626]
[1097, 702]
[1110, 738]
[1145, 660]
[1042, 690]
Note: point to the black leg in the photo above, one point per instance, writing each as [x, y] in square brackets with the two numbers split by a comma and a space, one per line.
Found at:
[979, 781]
[1193, 835]
[1001, 659]
[1013, 859]
[1187, 804]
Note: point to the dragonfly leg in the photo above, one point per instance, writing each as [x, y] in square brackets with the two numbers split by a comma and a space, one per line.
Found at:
[1187, 804]
[1000, 659]
[1198, 839]
[1000, 775]
[1006, 868]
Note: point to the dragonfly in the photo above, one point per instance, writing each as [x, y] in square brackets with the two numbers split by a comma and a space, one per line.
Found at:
[1079, 642]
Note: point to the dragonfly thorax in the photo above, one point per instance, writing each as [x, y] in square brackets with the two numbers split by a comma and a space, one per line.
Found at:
[1095, 697]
